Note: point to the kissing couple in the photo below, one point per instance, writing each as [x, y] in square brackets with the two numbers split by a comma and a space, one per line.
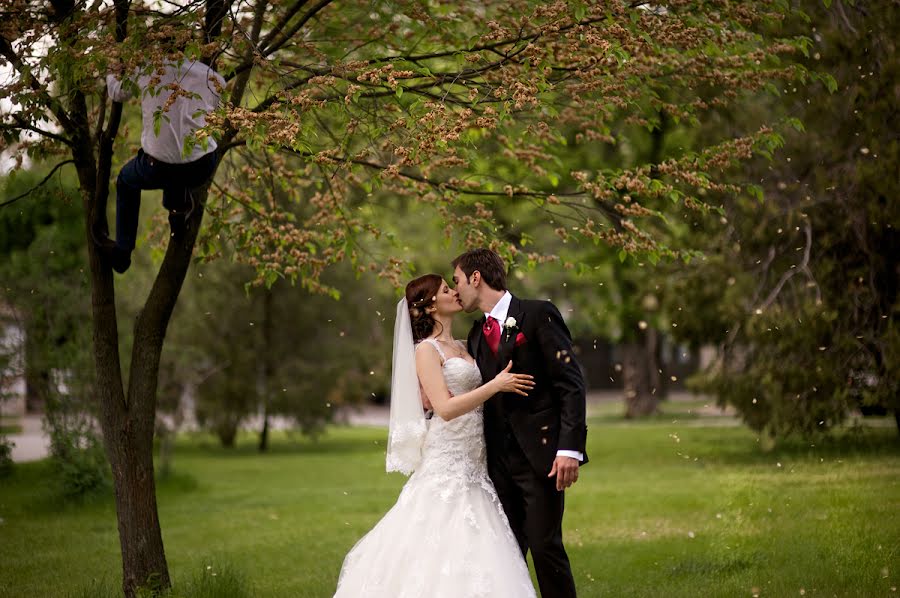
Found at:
[491, 432]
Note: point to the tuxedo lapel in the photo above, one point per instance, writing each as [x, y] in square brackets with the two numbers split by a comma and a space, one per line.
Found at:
[479, 337]
[508, 335]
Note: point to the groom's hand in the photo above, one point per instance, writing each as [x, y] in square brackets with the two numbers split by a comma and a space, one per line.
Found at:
[566, 471]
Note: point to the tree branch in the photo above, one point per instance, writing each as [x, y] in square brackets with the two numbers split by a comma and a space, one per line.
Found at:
[22, 125]
[240, 84]
[106, 137]
[35, 188]
[215, 14]
[282, 22]
[803, 267]
[444, 186]
[275, 46]
[285, 37]
[482, 47]
[6, 50]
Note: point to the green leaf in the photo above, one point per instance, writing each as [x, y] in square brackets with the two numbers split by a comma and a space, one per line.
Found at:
[623, 255]
[757, 192]
[580, 12]
[189, 142]
[399, 92]
[796, 123]
[830, 83]
[157, 121]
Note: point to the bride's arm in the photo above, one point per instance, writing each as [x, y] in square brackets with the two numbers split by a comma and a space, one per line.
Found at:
[431, 377]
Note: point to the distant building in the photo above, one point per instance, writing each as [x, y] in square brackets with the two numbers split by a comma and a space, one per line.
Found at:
[12, 363]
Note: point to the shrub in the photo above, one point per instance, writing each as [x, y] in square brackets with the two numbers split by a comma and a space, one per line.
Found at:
[6, 462]
[77, 453]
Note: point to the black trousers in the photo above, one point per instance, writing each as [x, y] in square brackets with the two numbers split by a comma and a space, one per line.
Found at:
[145, 172]
[535, 510]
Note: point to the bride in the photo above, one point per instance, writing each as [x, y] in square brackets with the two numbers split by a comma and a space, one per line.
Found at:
[447, 536]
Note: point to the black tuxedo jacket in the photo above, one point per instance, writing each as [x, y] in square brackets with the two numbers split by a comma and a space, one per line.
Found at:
[552, 416]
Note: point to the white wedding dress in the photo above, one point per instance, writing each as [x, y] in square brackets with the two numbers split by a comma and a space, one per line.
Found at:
[447, 536]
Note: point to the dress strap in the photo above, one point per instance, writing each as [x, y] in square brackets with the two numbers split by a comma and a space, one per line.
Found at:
[437, 346]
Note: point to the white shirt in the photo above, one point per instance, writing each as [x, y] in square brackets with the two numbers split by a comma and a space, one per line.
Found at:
[499, 313]
[184, 116]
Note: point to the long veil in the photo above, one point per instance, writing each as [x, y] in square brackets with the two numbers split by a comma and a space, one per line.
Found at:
[407, 428]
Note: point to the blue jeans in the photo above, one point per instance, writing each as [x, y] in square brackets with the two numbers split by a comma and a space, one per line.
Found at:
[146, 172]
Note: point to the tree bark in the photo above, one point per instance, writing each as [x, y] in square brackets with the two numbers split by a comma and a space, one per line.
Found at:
[266, 368]
[140, 538]
[644, 385]
[227, 432]
[128, 421]
[37, 374]
[640, 372]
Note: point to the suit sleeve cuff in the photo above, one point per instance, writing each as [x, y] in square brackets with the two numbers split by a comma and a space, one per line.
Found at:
[572, 454]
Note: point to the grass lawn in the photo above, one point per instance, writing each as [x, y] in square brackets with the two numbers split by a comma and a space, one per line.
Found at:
[669, 507]
[8, 427]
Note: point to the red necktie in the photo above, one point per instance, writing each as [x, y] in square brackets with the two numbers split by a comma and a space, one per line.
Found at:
[491, 330]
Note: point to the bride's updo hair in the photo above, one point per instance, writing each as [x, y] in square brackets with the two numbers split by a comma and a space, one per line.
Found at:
[421, 293]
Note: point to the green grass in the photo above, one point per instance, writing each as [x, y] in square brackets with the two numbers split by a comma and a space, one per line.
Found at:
[665, 508]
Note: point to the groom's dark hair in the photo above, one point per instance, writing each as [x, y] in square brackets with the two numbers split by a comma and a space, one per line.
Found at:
[486, 261]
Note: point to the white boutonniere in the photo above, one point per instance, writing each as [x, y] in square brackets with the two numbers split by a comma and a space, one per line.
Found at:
[508, 326]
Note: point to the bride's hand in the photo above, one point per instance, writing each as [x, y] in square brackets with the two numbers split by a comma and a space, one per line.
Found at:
[517, 383]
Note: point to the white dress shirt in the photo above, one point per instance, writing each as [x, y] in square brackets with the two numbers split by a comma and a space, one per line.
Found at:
[499, 313]
[184, 116]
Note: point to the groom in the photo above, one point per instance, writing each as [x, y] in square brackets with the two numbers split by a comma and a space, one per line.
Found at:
[535, 444]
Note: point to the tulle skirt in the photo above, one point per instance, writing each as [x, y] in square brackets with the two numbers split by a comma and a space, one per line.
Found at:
[440, 540]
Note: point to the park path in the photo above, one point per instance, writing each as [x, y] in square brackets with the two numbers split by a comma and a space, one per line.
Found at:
[597, 401]
[33, 443]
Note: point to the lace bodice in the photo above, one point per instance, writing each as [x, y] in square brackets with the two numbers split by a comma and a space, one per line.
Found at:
[454, 453]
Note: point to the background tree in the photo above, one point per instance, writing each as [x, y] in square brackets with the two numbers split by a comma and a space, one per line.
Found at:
[356, 104]
[802, 287]
[46, 288]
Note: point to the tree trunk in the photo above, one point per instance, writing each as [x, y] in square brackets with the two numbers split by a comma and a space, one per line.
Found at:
[128, 420]
[642, 380]
[37, 374]
[140, 538]
[128, 438]
[265, 378]
[227, 432]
